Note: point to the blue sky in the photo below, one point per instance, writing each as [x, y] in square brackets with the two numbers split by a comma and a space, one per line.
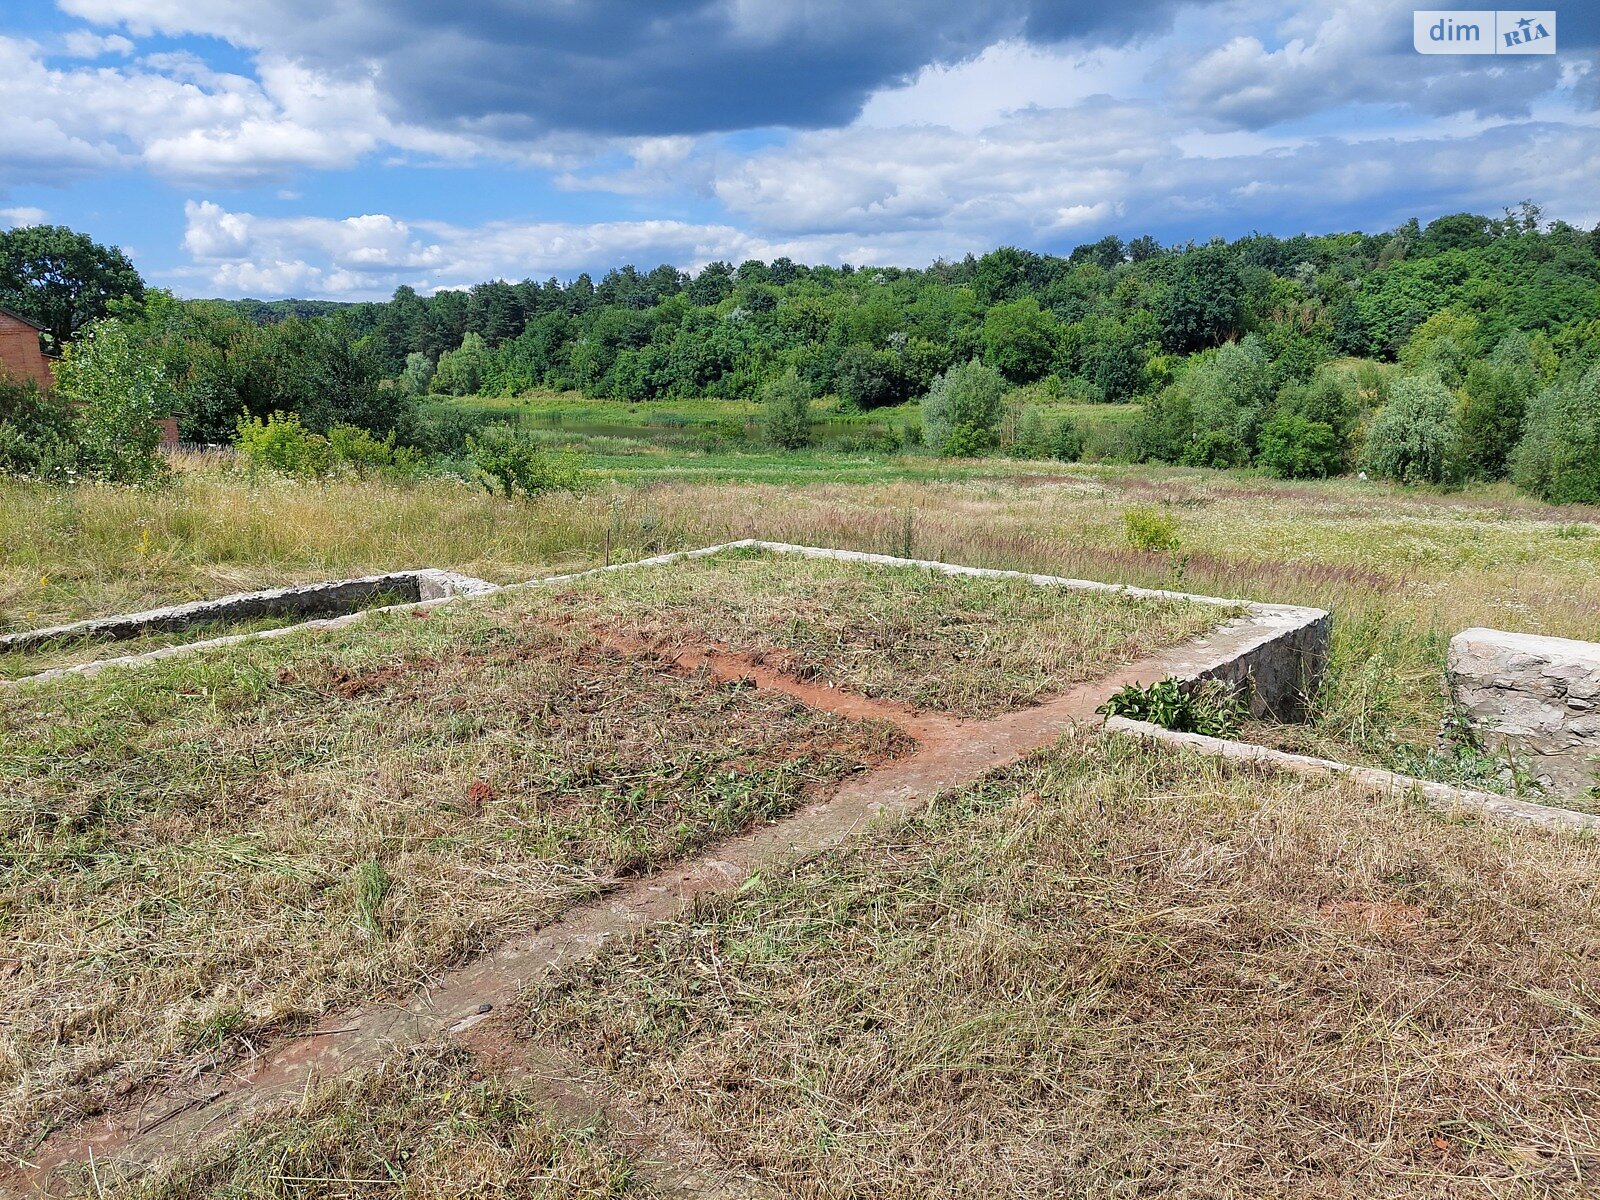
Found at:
[339, 148]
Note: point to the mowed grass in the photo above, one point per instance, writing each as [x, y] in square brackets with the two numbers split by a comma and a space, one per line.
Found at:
[426, 1123]
[1117, 971]
[212, 847]
[961, 644]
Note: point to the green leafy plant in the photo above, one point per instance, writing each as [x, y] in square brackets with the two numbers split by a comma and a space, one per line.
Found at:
[282, 444]
[1212, 707]
[117, 393]
[1151, 529]
[786, 411]
[511, 462]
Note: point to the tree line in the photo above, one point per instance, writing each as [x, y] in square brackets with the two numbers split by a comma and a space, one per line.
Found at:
[1460, 348]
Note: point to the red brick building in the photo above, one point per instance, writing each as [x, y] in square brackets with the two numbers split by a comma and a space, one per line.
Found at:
[20, 355]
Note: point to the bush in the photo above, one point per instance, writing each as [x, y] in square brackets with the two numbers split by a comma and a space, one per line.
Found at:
[1066, 441]
[1151, 529]
[1559, 458]
[1494, 403]
[117, 393]
[365, 454]
[37, 438]
[1416, 437]
[438, 429]
[1212, 708]
[962, 409]
[786, 411]
[282, 444]
[1295, 448]
[511, 462]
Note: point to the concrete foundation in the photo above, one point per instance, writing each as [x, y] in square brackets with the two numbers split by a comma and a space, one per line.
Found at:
[1538, 697]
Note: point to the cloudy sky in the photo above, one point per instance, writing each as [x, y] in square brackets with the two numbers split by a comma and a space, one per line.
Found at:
[338, 148]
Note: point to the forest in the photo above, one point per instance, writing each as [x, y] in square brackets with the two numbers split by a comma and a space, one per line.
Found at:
[1460, 349]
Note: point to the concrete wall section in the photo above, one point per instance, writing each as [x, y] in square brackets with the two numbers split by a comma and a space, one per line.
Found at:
[1538, 697]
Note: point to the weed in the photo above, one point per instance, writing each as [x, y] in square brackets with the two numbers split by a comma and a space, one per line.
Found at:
[1151, 529]
[1211, 707]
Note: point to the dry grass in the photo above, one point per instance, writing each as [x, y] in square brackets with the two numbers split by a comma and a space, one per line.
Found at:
[424, 1125]
[1402, 570]
[1117, 972]
[961, 644]
[207, 848]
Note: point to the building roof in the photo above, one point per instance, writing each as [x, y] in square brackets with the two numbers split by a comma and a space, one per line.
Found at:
[25, 320]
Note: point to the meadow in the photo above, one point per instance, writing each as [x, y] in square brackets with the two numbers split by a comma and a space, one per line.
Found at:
[1401, 568]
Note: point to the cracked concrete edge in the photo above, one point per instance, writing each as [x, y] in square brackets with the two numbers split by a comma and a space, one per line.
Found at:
[1440, 796]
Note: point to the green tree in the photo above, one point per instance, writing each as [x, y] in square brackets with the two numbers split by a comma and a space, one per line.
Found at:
[963, 408]
[1203, 304]
[786, 411]
[1416, 437]
[62, 279]
[1019, 340]
[417, 378]
[117, 393]
[865, 378]
[1494, 401]
[1559, 458]
[1293, 447]
[460, 371]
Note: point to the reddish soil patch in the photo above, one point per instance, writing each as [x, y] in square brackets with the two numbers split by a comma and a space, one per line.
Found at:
[1372, 916]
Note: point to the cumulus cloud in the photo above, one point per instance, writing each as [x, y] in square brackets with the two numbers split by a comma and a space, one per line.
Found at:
[368, 256]
[1358, 51]
[21, 215]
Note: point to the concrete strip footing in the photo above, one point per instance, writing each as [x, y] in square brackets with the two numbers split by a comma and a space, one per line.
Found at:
[1439, 796]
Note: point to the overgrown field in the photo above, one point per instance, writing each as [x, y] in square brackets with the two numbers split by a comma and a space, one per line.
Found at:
[1115, 971]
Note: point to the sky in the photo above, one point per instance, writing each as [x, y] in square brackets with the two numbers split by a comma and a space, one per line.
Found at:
[340, 148]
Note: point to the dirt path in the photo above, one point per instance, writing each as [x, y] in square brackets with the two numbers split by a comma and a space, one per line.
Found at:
[466, 1003]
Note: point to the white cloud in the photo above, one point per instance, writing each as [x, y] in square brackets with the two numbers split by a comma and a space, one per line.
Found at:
[81, 43]
[22, 215]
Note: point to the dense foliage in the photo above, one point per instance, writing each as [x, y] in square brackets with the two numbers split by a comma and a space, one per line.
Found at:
[61, 279]
[1423, 353]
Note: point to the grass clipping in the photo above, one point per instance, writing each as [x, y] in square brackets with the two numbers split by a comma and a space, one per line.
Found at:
[954, 643]
[1115, 972]
[204, 850]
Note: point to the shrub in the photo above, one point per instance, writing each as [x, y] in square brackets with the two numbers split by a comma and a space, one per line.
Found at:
[1416, 437]
[1151, 529]
[511, 462]
[1212, 708]
[1494, 403]
[786, 411]
[441, 429]
[282, 444]
[962, 409]
[1559, 458]
[36, 432]
[1295, 448]
[117, 392]
[359, 450]
[1066, 441]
